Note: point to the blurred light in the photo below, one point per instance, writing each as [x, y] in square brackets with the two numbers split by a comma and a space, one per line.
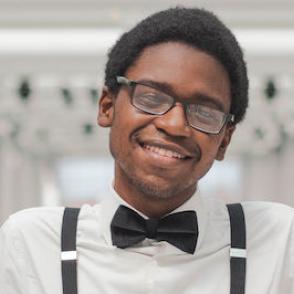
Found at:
[88, 129]
[270, 90]
[67, 96]
[98, 41]
[56, 41]
[266, 41]
[94, 94]
[24, 90]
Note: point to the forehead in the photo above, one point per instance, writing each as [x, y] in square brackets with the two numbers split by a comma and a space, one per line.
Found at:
[187, 70]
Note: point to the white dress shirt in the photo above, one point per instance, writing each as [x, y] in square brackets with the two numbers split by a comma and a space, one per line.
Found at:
[30, 253]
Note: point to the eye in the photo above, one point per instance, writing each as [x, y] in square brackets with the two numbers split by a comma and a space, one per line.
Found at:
[149, 98]
[205, 114]
[151, 103]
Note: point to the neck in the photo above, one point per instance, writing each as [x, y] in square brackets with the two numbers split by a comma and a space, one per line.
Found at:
[150, 205]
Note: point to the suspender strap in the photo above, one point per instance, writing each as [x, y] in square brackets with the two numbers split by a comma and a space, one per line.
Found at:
[237, 251]
[69, 252]
[238, 248]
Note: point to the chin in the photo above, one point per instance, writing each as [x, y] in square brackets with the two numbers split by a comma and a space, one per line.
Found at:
[158, 189]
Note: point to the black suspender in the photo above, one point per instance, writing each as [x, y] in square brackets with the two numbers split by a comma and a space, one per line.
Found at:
[69, 251]
[237, 250]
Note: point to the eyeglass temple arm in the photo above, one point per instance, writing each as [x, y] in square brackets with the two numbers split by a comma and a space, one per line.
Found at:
[232, 118]
[122, 80]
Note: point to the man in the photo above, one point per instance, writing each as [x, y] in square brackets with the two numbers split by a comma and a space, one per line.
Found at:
[175, 89]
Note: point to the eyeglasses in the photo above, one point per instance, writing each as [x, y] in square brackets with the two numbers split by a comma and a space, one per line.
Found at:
[153, 101]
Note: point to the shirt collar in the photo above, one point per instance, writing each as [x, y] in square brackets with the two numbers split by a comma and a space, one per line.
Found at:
[110, 204]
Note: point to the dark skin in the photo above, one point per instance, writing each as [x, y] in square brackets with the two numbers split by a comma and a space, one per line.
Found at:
[148, 177]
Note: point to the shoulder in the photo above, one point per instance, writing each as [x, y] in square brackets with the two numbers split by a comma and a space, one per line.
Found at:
[269, 222]
[32, 222]
[270, 212]
[270, 225]
[36, 215]
[260, 216]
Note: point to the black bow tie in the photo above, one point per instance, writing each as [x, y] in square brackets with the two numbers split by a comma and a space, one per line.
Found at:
[179, 229]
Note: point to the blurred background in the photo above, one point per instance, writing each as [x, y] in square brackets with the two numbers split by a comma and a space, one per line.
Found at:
[52, 56]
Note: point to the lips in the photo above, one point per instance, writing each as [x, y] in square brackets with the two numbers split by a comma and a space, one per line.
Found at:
[167, 150]
[164, 152]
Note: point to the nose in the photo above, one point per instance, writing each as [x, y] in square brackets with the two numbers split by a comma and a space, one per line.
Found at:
[174, 122]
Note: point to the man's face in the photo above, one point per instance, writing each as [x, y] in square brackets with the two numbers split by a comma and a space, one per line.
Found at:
[161, 155]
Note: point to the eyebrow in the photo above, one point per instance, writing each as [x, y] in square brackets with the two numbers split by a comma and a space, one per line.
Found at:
[200, 97]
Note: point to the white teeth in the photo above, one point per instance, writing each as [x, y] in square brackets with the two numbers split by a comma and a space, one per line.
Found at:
[164, 152]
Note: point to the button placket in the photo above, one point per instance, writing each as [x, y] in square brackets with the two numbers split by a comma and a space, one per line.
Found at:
[150, 276]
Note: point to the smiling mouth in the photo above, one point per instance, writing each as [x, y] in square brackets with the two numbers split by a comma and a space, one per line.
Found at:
[163, 152]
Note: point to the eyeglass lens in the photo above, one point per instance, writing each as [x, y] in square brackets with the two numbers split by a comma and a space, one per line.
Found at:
[153, 101]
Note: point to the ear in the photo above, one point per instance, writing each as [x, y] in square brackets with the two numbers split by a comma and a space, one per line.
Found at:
[106, 108]
[225, 142]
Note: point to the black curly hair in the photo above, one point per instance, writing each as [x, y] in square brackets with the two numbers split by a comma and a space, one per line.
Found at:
[195, 27]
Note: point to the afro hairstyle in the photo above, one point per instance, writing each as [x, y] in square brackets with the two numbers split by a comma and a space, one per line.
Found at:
[195, 27]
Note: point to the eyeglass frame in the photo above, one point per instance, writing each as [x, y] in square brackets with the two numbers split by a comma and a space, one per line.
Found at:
[228, 117]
